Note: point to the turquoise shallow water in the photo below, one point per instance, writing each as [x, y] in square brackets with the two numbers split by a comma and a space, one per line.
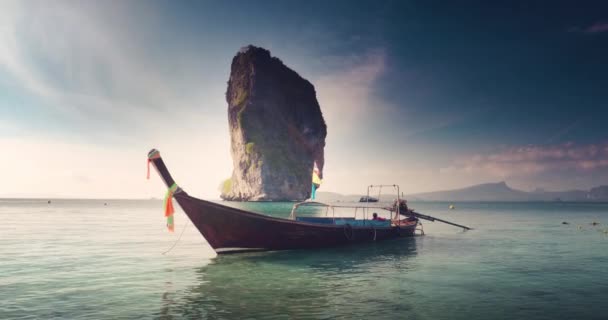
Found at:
[82, 259]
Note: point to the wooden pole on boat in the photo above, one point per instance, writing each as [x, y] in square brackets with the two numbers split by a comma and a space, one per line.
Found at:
[429, 218]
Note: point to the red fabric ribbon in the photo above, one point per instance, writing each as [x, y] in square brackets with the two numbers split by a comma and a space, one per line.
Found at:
[148, 174]
[169, 210]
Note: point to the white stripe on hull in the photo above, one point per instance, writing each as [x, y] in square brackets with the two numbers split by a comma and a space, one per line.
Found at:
[221, 250]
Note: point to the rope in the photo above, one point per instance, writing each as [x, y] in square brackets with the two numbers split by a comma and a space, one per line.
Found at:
[179, 238]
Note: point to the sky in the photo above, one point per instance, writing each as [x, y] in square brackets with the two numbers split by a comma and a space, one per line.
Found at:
[426, 94]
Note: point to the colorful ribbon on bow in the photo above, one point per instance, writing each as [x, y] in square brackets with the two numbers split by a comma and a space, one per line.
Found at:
[169, 210]
[152, 155]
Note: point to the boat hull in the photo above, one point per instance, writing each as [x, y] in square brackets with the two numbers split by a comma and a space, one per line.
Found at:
[231, 230]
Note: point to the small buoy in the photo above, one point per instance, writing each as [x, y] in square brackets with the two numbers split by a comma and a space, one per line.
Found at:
[49, 202]
[580, 227]
[451, 207]
[105, 203]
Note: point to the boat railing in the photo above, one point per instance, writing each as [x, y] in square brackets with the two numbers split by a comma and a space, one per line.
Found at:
[393, 209]
[364, 210]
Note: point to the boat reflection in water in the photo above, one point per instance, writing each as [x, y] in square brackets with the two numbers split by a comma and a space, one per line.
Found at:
[352, 281]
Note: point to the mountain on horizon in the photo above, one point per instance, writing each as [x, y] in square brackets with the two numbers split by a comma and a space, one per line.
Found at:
[502, 192]
[498, 191]
[482, 192]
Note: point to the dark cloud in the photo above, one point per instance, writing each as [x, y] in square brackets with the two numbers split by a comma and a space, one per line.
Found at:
[526, 161]
[598, 27]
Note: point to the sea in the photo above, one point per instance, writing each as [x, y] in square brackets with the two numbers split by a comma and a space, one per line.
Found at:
[115, 259]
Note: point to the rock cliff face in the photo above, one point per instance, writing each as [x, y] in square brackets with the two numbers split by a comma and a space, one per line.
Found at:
[277, 130]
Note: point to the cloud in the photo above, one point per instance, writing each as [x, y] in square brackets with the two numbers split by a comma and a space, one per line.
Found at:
[526, 161]
[87, 62]
[597, 27]
[347, 94]
[103, 77]
[10, 57]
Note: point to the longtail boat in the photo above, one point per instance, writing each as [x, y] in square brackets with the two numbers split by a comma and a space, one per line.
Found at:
[233, 230]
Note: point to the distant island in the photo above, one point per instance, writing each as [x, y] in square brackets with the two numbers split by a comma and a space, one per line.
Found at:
[486, 192]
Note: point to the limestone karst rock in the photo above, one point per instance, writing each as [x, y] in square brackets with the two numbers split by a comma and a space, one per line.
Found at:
[277, 130]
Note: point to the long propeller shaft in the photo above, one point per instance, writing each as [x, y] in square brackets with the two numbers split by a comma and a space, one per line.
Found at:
[429, 218]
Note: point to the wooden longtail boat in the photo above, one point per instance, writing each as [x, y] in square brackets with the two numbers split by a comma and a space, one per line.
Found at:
[232, 230]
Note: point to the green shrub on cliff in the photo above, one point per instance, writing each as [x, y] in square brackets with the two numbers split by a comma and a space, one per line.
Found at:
[226, 186]
[249, 147]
